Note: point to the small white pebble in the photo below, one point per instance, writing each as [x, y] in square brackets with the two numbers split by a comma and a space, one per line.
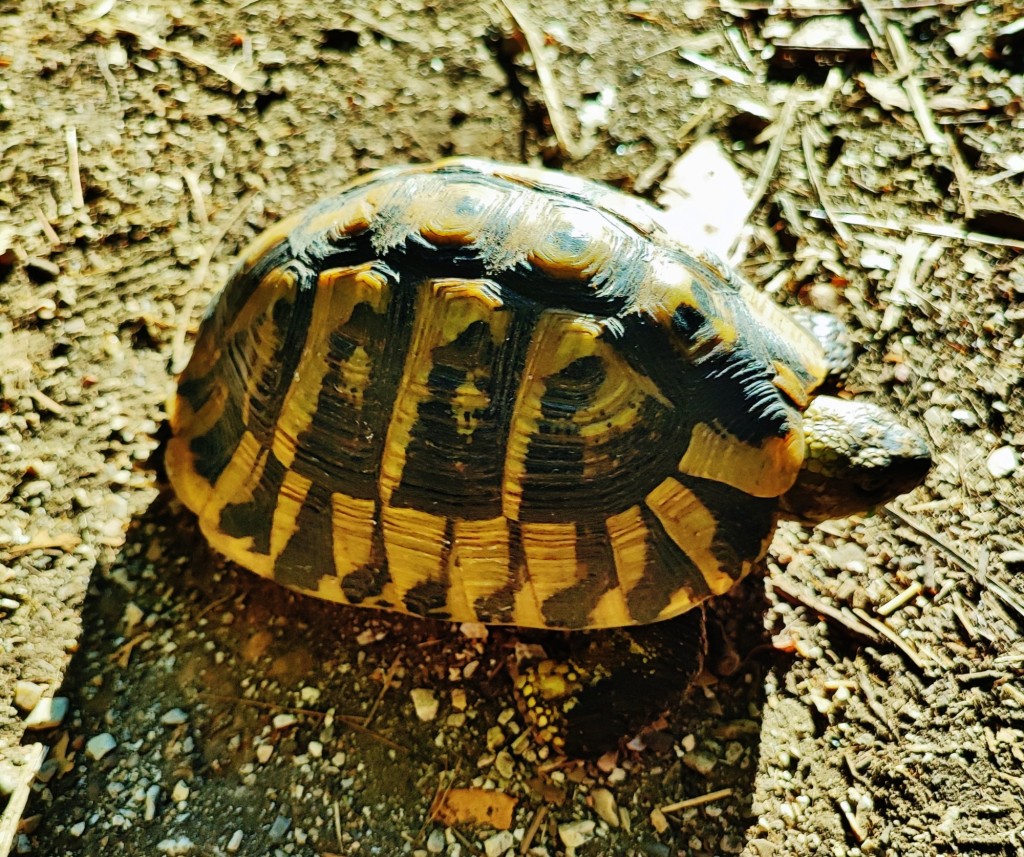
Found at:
[425, 703]
[99, 745]
[174, 717]
[605, 806]
[235, 842]
[264, 752]
[152, 793]
[316, 749]
[180, 791]
[1002, 462]
[495, 846]
[283, 721]
[48, 713]
[576, 833]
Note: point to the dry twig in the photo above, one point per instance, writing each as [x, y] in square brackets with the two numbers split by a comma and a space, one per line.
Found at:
[696, 801]
[74, 171]
[805, 599]
[26, 774]
[194, 58]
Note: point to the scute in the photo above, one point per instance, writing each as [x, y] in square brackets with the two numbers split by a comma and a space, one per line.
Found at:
[489, 393]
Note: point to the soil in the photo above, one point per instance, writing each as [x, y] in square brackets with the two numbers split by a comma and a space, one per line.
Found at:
[210, 712]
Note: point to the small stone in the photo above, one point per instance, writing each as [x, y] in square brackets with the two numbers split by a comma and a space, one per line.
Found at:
[435, 842]
[283, 721]
[264, 752]
[279, 828]
[77, 829]
[425, 703]
[495, 738]
[658, 820]
[235, 842]
[174, 717]
[27, 695]
[495, 846]
[99, 745]
[131, 617]
[605, 807]
[315, 749]
[152, 793]
[504, 764]
[48, 713]
[700, 761]
[180, 791]
[1002, 462]
[459, 699]
[175, 847]
[576, 833]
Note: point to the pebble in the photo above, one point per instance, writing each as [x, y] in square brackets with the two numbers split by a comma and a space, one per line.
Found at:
[425, 703]
[495, 738]
[235, 842]
[264, 752]
[176, 847]
[77, 829]
[700, 761]
[180, 791]
[495, 846]
[174, 717]
[48, 713]
[504, 764]
[576, 833]
[605, 806]
[27, 695]
[99, 745]
[152, 793]
[279, 828]
[435, 842]
[283, 721]
[315, 749]
[1002, 462]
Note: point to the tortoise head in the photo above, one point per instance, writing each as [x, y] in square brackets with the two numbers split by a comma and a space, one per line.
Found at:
[857, 456]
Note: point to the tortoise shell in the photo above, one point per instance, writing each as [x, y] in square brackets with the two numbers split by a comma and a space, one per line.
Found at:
[480, 392]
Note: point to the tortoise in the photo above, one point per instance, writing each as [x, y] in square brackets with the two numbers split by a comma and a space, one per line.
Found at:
[483, 392]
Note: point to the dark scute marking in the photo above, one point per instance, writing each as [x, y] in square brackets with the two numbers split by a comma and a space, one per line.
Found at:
[499, 607]
[744, 522]
[196, 391]
[446, 468]
[666, 569]
[211, 452]
[651, 667]
[255, 517]
[343, 443]
[751, 407]
[245, 353]
[689, 322]
[729, 387]
[368, 581]
[595, 567]
[570, 244]
[309, 553]
[429, 598]
[568, 476]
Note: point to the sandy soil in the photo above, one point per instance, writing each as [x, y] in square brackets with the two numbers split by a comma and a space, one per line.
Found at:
[209, 712]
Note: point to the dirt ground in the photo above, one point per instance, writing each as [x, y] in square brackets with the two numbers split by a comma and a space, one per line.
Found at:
[868, 697]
